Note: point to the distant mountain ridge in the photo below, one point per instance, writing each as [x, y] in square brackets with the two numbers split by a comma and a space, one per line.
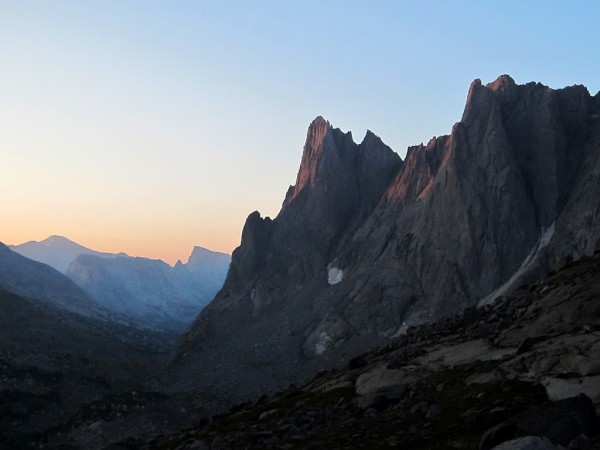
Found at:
[57, 251]
[205, 270]
[141, 288]
[151, 290]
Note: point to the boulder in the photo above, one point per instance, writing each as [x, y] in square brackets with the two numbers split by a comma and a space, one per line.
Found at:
[527, 443]
[560, 422]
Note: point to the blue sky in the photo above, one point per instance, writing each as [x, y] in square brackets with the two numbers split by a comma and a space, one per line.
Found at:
[152, 126]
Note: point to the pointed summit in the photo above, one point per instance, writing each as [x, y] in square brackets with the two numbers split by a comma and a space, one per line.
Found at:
[370, 137]
[503, 83]
[480, 98]
[317, 129]
[203, 259]
[57, 238]
[316, 143]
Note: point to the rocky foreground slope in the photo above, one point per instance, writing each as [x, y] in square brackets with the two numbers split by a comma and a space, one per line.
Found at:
[525, 365]
[366, 244]
[54, 364]
[61, 352]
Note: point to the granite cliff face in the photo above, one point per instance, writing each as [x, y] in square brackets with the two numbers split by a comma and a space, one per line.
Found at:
[366, 244]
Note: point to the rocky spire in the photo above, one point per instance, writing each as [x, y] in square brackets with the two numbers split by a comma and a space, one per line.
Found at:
[314, 147]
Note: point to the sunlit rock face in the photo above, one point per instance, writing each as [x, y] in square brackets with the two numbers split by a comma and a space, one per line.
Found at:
[366, 244]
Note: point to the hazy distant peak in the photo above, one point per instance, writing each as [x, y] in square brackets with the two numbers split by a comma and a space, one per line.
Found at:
[56, 251]
[58, 238]
[203, 260]
[201, 253]
[52, 241]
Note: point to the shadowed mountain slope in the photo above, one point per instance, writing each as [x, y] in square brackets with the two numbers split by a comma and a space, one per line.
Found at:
[36, 280]
[525, 367]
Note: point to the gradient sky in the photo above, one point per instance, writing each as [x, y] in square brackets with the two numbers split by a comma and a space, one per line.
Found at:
[153, 126]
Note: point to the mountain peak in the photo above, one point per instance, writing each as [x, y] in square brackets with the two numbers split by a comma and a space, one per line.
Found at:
[56, 251]
[407, 243]
[319, 121]
[203, 259]
[318, 140]
[56, 239]
[317, 130]
[370, 136]
[502, 83]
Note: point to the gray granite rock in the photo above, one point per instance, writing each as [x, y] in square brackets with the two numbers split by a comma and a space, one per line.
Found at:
[366, 245]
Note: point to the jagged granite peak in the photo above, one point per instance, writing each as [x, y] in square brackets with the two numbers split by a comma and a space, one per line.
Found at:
[504, 83]
[314, 147]
[320, 156]
[366, 245]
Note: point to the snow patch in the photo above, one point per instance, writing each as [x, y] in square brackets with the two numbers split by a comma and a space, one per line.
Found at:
[544, 239]
[323, 343]
[335, 276]
[402, 329]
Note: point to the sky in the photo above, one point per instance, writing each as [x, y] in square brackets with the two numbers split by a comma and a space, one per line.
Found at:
[152, 126]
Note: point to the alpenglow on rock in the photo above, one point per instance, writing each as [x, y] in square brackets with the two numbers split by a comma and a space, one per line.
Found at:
[510, 194]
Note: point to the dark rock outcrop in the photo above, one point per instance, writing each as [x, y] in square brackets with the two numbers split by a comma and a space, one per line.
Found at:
[366, 245]
[561, 422]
